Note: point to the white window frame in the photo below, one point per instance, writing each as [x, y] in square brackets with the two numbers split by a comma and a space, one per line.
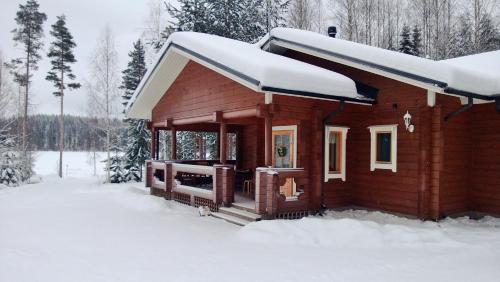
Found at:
[294, 157]
[393, 129]
[336, 175]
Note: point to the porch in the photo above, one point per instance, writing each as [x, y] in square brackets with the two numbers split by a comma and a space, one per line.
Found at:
[249, 175]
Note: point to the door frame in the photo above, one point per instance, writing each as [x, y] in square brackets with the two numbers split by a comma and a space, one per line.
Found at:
[294, 157]
[295, 141]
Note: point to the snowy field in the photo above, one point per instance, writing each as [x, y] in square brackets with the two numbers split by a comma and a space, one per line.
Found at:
[75, 164]
[80, 230]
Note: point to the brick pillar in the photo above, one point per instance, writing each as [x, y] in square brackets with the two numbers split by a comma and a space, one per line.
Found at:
[217, 183]
[271, 195]
[260, 190]
[228, 185]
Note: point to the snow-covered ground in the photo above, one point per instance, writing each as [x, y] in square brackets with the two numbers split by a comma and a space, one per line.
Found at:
[75, 164]
[80, 230]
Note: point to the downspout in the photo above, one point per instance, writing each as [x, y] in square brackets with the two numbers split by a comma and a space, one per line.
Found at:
[326, 120]
[470, 102]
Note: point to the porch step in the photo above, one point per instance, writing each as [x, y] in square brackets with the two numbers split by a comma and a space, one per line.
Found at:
[230, 218]
[244, 206]
[240, 213]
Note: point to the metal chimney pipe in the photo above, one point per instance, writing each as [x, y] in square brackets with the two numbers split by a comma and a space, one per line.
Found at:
[332, 31]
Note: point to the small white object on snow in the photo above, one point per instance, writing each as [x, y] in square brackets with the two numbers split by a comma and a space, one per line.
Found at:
[34, 179]
[204, 210]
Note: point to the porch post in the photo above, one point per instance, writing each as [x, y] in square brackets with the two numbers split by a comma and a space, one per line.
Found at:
[153, 143]
[223, 143]
[157, 144]
[268, 128]
[173, 145]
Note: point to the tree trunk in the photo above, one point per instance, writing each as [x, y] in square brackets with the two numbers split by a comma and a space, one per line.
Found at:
[61, 128]
[25, 115]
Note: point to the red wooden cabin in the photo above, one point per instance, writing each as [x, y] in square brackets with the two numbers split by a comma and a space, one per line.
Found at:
[323, 122]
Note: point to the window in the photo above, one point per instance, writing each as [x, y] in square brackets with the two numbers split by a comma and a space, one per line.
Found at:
[335, 151]
[383, 149]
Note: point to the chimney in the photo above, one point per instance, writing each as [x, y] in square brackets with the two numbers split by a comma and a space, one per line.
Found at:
[332, 31]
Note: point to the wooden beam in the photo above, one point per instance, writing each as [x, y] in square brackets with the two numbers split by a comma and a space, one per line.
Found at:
[169, 123]
[217, 117]
[173, 144]
[240, 114]
[431, 98]
[268, 135]
[191, 120]
[223, 143]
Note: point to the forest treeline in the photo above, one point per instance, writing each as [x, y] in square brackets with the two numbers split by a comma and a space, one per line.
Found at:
[80, 134]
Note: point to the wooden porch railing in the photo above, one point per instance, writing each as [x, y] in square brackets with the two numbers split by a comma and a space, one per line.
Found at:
[171, 188]
[268, 199]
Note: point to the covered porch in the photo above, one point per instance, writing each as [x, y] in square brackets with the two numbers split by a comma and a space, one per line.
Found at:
[246, 171]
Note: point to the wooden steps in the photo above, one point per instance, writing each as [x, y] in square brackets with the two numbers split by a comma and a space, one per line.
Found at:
[236, 215]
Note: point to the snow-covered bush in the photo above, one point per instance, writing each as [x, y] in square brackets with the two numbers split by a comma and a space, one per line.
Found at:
[116, 163]
[11, 172]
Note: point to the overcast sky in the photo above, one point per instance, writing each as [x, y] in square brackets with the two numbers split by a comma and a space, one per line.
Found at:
[85, 20]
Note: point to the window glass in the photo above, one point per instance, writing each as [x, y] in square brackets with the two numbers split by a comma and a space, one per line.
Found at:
[335, 151]
[384, 147]
[286, 145]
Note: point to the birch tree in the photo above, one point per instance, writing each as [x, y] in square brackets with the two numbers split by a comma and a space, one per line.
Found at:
[103, 86]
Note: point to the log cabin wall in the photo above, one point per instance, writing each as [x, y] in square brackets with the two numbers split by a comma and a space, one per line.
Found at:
[484, 170]
[380, 189]
[444, 168]
[456, 153]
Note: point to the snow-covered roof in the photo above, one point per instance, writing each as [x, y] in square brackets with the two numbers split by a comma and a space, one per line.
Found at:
[485, 66]
[245, 63]
[462, 76]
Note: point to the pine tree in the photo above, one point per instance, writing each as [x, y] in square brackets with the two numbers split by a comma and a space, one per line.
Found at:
[138, 138]
[192, 15]
[244, 20]
[405, 44]
[62, 56]
[10, 163]
[416, 42]
[29, 33]
[238, 19]
[116, 165]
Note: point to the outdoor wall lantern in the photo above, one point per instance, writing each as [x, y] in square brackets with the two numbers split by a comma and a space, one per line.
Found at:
[407, 117]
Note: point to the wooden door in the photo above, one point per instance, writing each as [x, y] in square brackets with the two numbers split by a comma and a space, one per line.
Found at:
[283, 155]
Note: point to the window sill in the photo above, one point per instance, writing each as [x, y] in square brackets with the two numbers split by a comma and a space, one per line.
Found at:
[334, 176]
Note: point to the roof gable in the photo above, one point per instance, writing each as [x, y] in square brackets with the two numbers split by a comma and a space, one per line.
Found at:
[242, 62]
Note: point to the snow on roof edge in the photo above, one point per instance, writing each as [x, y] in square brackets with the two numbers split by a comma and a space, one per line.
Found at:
[304, 69]
[452, 78]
